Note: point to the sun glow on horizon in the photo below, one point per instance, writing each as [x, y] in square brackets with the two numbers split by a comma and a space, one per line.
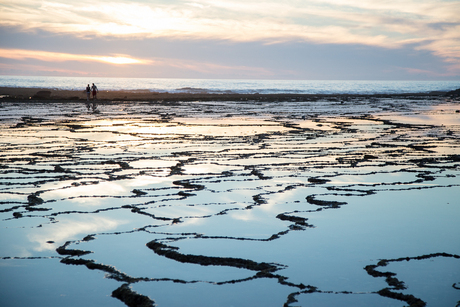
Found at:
[19, 54]
[120, 60]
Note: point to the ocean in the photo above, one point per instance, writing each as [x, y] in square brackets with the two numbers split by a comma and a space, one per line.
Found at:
[232, 85]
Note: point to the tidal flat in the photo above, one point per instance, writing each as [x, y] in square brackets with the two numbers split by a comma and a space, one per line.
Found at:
[320, 202]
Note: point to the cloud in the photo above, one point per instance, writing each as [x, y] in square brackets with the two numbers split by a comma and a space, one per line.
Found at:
[234, 21]
[416, 71]
[422, 24]
[20, 54]
[28, 69]
[197, 66]
[237, 20]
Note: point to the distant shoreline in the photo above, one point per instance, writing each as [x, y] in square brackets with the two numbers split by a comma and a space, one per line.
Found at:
[45, 94]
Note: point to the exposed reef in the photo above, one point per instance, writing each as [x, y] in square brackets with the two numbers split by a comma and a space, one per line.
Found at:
[234, 200]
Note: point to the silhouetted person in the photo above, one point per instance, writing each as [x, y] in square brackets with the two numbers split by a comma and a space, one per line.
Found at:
[95, 90]
[88, 92]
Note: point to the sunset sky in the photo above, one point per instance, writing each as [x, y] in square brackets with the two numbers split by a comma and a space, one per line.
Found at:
[241, 39]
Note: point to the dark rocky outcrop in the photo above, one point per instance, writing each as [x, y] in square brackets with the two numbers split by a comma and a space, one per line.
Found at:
[42, 95]
[132, 298]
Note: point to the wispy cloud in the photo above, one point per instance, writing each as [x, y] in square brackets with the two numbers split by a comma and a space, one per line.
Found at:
[19, 54]
[236, 20]
[27, 69]
[416, 71]
[202, 67]
[424, 24]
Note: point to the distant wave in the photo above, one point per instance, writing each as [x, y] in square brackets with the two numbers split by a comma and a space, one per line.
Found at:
[216, 86]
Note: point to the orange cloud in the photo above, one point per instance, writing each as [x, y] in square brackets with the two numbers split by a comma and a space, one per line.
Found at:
[21, 54]
[120, 60]
[20, 69]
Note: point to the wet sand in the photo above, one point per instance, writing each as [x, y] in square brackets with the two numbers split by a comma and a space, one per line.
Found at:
[21, 94]
[271, 201]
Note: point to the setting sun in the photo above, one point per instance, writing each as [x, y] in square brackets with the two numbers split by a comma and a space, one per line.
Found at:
[119, 60]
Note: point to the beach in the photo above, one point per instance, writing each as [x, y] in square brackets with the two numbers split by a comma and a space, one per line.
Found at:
[21, 93]
[144, 198]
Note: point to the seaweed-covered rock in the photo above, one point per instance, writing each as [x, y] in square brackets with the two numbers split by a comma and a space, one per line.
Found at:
[318, 180]
[369, 157]
[33, 200]
[139, 192]
[132, 298]
[171, 252]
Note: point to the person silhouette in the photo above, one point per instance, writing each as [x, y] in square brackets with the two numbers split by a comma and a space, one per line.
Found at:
[88, 92]
[95, 90]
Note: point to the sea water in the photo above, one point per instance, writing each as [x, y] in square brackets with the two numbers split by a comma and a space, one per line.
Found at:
[232, 85]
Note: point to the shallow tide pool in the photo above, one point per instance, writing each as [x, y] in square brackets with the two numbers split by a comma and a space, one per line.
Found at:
[342, 204]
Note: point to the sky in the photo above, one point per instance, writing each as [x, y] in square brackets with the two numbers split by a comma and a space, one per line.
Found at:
[237, 39]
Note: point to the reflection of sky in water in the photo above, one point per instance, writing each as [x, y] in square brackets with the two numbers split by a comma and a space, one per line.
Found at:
[105, 189]
[217, 187]
[31, 240]
[70, 228]
[442, 273]
[264, 292]
[234, 127]
[43, 282]
[436, 115]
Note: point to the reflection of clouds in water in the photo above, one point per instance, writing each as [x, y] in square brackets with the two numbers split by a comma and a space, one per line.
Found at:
[118, 188]
[205, 168]
[214, 127]
[210, 130]
[429, 119]
[69, 229]
[143, 181]
[247, 215]
[255, 187]
[16, 250]
[436, 115]
[192, 221]
[105, 188]
[322, 126]
[7, 196]
[150, 163]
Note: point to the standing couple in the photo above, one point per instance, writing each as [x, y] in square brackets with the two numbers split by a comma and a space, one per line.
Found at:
[93, 89]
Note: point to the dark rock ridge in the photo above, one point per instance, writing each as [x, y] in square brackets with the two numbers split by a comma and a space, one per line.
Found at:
[171, 252]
